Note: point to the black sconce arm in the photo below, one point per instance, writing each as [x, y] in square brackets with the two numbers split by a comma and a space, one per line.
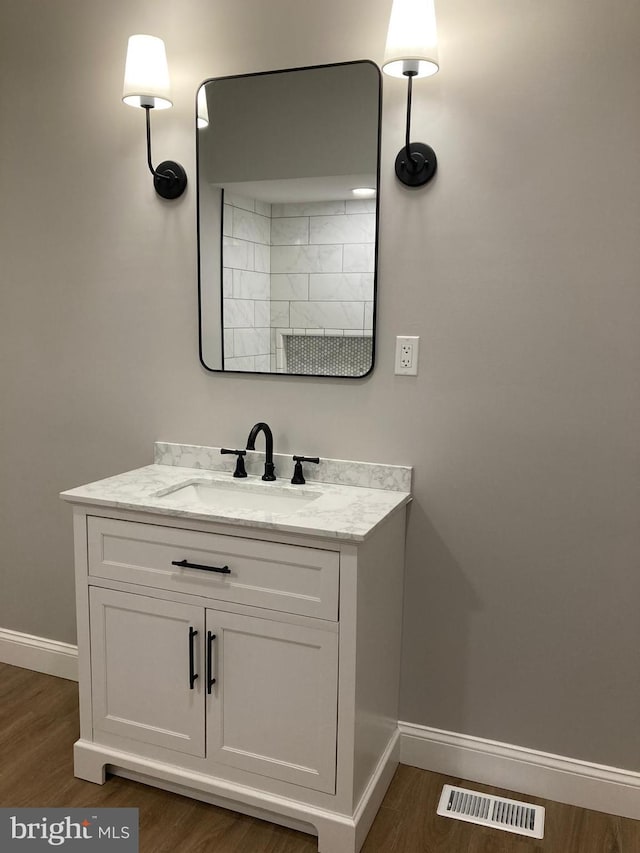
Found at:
[416, 163]
[169, 179]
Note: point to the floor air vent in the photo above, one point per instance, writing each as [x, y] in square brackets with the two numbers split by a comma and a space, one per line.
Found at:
[494, 812]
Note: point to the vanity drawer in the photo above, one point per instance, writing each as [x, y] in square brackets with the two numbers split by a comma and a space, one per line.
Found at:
[290, 578]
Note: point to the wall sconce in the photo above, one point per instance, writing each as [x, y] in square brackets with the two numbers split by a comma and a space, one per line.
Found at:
[146, 85]
[412, 51]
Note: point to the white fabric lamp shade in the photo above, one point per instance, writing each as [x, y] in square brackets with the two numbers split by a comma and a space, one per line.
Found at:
[146, 75]
[412, 40]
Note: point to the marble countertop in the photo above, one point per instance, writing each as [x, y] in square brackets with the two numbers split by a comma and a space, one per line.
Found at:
[337, 511]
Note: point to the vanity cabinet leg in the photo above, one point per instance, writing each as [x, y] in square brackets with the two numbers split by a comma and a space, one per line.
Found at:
[334, 837]
[88, 765]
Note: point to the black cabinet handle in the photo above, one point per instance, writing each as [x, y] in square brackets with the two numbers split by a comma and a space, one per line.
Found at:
[192, 675]
[184, 564]
[210, 677]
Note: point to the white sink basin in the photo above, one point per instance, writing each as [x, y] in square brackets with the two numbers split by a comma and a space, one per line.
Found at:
[249, 496]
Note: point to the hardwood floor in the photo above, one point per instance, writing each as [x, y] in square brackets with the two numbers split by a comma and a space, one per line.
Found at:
[38, 725]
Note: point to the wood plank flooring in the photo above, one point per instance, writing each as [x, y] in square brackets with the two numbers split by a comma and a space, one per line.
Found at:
[39, 723]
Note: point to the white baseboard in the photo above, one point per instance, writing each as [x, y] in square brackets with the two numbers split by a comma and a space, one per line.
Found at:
[39, 654]
[527, 771]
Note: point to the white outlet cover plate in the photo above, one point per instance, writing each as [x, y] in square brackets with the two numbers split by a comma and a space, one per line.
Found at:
[407, 366]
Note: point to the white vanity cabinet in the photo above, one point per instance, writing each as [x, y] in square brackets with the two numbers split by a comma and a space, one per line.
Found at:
[252, 668]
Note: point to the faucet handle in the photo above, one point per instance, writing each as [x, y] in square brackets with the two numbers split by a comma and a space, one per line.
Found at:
[298, 477]
[240, 469]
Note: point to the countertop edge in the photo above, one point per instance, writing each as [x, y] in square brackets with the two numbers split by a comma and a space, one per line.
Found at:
[276, 527]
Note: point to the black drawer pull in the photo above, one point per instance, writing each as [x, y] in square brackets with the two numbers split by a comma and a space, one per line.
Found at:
[184, 564]
[210, 677]
[192, 675]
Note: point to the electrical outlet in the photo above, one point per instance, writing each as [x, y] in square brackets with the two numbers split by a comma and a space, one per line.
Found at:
[407, 355]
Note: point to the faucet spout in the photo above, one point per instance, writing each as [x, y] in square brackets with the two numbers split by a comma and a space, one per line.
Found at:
[269, 468]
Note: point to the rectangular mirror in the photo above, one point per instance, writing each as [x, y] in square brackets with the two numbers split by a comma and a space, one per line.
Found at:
[288, 168]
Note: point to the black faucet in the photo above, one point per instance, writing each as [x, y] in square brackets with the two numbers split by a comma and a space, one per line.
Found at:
[269, 468]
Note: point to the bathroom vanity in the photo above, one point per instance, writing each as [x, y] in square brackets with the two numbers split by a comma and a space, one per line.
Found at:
[239, 641]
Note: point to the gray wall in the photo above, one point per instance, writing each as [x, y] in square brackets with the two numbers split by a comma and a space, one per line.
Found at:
[518, 267]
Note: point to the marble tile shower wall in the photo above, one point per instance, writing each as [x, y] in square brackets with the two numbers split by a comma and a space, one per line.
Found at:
[322, 264]
[246, 284]
[304, 268]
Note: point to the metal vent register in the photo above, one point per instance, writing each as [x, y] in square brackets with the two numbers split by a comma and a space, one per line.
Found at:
[494, 812]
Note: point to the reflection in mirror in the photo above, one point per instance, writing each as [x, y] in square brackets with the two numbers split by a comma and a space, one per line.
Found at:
[288, 168]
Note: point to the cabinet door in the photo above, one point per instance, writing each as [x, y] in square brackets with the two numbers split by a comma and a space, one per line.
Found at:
[141, 650]
[273, 707]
